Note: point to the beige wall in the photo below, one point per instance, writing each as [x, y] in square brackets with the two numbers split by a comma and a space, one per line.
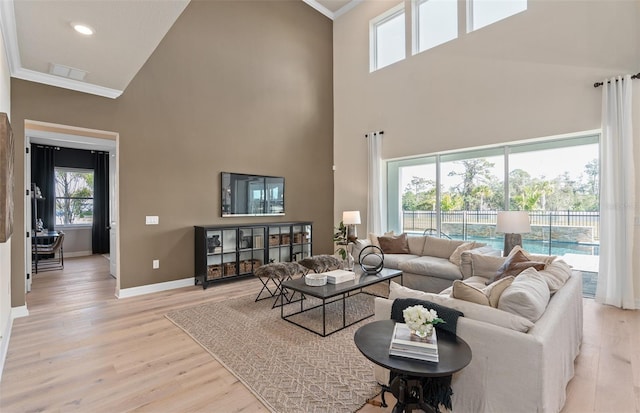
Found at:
[233, 86]
[525, 77]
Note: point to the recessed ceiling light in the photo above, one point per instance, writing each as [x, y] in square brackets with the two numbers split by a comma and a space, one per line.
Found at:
[82, 29]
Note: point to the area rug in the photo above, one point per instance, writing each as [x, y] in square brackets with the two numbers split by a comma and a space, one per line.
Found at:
[288, 368]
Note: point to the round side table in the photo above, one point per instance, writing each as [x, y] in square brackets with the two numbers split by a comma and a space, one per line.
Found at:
[373, 341]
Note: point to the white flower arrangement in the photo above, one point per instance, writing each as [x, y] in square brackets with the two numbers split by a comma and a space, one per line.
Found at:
[420, 320]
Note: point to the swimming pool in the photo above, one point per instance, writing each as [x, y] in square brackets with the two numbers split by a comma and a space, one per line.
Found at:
[543, 247]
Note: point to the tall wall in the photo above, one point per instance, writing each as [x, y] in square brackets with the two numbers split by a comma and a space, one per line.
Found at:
[234, 86]
[525, 77]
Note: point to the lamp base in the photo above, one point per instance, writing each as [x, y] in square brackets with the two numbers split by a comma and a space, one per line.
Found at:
[352, 234]
[510, 241]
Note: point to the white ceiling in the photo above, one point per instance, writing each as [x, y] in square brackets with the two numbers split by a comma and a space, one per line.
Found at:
[38, 34]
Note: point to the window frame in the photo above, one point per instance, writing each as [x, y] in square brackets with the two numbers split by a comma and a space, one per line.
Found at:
[394, 187]
[470, 13]
[415, 29]
[373, 37]
[78, 170]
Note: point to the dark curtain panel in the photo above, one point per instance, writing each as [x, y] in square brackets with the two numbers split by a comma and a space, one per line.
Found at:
[43, 175]
[100, 233]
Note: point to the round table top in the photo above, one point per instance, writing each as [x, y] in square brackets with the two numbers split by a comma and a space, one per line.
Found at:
[373, 341]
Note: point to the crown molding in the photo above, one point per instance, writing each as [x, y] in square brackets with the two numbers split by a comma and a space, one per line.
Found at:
[346, 8]
[10, 36]
[320, 8]
[63, 82]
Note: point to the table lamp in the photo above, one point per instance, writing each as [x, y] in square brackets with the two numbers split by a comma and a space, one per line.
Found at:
[512, 224]
[350, 219]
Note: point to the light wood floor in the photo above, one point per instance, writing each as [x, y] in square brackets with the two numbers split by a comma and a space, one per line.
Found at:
[81, 349]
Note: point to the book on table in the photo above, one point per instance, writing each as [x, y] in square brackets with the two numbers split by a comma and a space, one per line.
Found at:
[405, 344]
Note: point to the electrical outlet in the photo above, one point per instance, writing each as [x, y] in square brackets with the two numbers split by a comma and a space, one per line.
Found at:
[156, 264]
[152, 220]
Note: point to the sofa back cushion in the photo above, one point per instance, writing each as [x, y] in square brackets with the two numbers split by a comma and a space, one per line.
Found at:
[416, 243]
[527, 296]
[440, 247]
[471, 310]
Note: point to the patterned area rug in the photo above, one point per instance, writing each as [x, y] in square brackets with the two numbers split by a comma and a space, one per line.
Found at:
[288, 368]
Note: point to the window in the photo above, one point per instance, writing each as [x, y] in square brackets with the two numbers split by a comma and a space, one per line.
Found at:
[436, 22]
[74, 196]
[387, 38]
[458, 194]
[485, 12]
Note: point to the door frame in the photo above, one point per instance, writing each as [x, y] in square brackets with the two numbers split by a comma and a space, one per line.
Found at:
[78, 138]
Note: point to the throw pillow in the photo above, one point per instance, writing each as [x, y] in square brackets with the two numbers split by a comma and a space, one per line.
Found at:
[394, 244]
[556, 275]
[374, 238]
[527, 296]
[471, 310]
[515, 264]
[466, 292]
[455, 258]
[547, 259]
[489, 295]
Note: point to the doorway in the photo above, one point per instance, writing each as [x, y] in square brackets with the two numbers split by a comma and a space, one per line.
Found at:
[75, 138]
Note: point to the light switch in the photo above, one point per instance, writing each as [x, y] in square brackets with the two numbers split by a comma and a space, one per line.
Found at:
[155, 264]
[152, 220]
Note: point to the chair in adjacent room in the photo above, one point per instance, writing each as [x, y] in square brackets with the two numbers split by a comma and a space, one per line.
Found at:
[50, 256]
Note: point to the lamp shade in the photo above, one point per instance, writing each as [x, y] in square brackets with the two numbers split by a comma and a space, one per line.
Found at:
[513, 222]
[351, 217]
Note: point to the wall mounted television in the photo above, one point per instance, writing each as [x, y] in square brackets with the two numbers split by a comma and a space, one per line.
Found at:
[251, 195]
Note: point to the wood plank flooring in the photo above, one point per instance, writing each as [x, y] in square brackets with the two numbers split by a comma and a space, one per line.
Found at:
[83, 350]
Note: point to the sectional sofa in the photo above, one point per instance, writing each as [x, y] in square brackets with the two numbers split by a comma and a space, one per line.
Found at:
[524, 336]
[427, 263]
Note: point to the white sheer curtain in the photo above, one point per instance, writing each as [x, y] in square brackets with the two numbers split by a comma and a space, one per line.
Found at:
[375, 198]
[617, 197]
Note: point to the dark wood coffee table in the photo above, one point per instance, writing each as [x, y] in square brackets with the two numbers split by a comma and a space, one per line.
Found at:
[332, 292]
[373, 341]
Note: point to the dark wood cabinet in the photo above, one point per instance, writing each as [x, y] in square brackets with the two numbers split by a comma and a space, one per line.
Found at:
[225, 252]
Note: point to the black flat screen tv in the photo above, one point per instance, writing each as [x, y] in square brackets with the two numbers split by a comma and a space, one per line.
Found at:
[251, 195]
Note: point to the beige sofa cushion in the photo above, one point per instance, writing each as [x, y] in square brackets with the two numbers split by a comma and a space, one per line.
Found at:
[466, 256]
[416, 244]
[456, 256]
[485, 265]
[440, 247]
[471, 310]
[425, 265]
[556, 275]
[489, 295]
[546, 259]
[527, 296]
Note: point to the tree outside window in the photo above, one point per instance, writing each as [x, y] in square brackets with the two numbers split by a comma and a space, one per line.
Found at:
[74, 196]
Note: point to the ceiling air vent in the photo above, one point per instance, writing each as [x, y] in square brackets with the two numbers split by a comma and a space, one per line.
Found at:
[66, 71]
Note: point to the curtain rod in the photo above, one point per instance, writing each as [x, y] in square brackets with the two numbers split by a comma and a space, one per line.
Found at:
[366, 135]
[598, 84]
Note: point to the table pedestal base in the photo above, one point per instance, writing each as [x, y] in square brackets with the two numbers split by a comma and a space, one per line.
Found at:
[409, 394]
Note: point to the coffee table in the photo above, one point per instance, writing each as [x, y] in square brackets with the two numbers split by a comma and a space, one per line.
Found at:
[373, 341]
[330, 293]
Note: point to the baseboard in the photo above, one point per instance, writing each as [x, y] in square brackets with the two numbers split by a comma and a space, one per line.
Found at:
[16, 312]
[77, 254]
[154, 288]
